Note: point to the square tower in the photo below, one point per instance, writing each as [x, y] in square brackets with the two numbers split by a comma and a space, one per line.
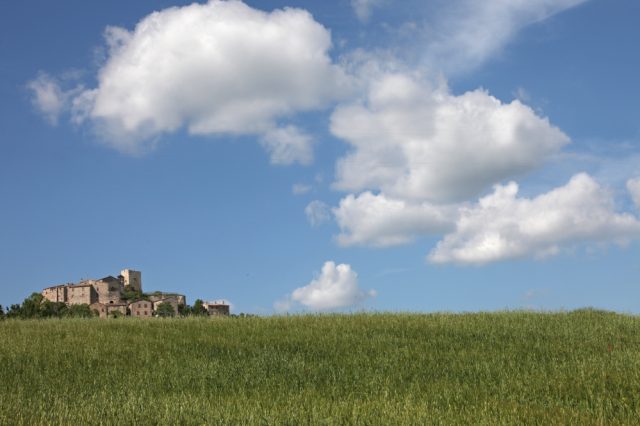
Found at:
[132, 280]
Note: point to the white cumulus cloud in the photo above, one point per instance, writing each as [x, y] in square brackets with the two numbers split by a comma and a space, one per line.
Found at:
[215, 68]
[414, 140]
[336, 287]
[633, 185]
[368, 219]
[503, 226]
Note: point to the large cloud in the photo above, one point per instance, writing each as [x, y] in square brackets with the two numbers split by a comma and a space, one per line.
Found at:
[377, 220]
[335, 287]
[503, 226]
[414, 140]
[214, 68]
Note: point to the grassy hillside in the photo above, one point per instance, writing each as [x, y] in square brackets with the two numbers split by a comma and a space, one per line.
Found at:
[581, 367]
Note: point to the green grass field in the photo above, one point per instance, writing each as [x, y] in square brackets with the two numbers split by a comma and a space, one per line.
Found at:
[579, 367]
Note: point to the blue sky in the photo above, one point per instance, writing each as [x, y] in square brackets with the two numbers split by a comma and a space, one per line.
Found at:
[318, 156]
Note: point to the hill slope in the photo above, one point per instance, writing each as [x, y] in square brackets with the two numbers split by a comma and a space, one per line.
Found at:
[513, 367]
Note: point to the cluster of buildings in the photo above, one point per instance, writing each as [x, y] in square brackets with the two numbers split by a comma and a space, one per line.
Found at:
[111, 296]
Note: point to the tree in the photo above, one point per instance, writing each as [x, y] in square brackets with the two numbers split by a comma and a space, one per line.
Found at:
[1, 313]
[165, 310]
[198, 308]
[133, 295]
[49, 309]
[79, 311]
[184, 310]
[15, 311]
[115, 314]
[31, 306]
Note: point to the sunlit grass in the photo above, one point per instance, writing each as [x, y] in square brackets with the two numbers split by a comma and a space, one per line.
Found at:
[515, 367]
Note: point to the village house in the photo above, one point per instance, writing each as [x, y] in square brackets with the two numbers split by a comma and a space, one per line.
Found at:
[216, 308]
[109, 310]
[56, 293]
[82, 293]
[141, 309]
[107, 290]
[170, 300]
[159, 295]
[111, 296]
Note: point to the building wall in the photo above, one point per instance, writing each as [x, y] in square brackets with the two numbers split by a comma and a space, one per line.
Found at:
[78, 294]
[141, 309]
[108, 292]
[55, 294]
[172, 301]
[132, 279]
[107, 310]
[181, 299]
[119, 307]
[216, 309]
[100, 308]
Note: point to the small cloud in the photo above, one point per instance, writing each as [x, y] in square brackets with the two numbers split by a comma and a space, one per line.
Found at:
[633, 186]
[533, 294]
[55, 96]
[534, 298]
[300, 188]
[317, 213]
[47, 97]
[336, 287]
[363, 8]
[288, 145]
[522, 95]
[462, 35]
[283, 305]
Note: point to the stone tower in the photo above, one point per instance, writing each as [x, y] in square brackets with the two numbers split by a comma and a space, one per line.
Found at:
[132, 280]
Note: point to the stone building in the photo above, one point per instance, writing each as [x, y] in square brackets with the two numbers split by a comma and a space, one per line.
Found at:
[159, 295]
[105, 296]
[57, 293]
[170, 300]
[82, 293]
[109, 289]
[216, 308]
[106, 310]
[132, 280]
[141, 309]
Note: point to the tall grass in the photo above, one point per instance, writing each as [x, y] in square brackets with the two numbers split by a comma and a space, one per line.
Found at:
[580, 367]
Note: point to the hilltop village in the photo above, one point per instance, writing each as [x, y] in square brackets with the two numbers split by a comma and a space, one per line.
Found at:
[110, 297]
